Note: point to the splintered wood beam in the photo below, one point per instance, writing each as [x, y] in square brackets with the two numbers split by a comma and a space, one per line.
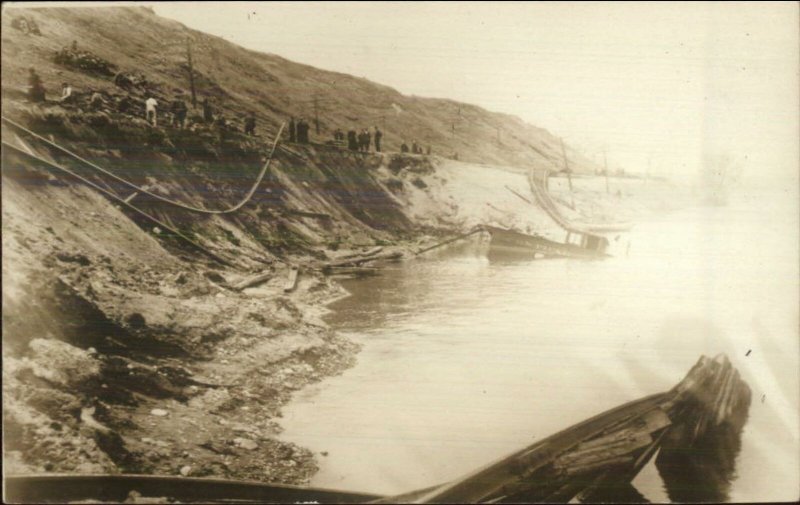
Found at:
[362, 259]
[253, 280]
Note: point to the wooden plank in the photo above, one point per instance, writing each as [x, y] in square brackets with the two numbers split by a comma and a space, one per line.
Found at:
[358, 271]
[594, 466]
[291, 282]
[486, 482]
[370, 252]
[477, 229]
[361, 259]
[613, 448]
[655, 420]
[253, 280]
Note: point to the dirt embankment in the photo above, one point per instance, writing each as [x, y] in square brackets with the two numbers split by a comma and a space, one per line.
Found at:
[125, 352]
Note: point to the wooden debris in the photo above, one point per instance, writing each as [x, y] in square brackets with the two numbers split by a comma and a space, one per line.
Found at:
[475, 230]
[363, 259]
[607, 451]
[357, 271]
[253, 280]
[291, 282]
[370, 252]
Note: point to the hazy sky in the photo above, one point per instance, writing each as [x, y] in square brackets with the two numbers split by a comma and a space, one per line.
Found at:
[671, 81]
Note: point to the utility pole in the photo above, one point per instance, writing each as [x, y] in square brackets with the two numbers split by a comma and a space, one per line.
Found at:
[316, 115]
[567, 169]
[566, 164]
[498, 134]
[191, 70]
[605, 163]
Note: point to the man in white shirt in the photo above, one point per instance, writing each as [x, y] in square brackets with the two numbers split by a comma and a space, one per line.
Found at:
[66, 92]
[150, 107]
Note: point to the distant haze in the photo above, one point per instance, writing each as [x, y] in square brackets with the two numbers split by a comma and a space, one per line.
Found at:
[663, 84]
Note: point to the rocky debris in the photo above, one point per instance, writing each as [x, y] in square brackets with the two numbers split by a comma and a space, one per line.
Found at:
[85, 61]
[159, 412]
[60, 363]
[245, 443]
[80, 259]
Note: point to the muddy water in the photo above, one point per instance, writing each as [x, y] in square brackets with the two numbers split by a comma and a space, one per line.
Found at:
[467, 357]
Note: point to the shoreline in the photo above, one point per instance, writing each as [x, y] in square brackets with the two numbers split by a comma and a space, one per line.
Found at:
[125, 355]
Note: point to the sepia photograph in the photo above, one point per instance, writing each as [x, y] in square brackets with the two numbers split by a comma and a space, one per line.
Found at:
[401, 252]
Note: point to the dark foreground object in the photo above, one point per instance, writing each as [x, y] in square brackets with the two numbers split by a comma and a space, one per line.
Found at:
[593, 461]
[116, 488]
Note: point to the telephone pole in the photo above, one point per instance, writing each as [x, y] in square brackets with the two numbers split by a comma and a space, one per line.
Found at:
[567, 169]
[316, 115]
[191, 71]
[566, 164]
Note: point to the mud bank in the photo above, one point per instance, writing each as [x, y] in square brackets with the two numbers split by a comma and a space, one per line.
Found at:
[126, 352]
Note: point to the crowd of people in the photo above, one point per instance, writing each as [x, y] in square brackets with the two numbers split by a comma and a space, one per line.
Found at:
[363, 141]
[94, 100]
[415, 148]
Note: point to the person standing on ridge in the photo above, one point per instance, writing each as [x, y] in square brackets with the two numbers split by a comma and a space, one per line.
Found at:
[292, 130]
[66, 93]
[96, 101]
[403, 147]
[35, 86]
[150, 106]
[302, 131]
[179, 111]
[250, 124]
[414, 147]
[378, 137]
[352, 143]
[361, 141]
[365, 140]
[208, 112]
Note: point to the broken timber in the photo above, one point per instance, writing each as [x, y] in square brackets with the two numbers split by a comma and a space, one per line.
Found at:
[362, 259]
[253, 280]
[475, 230]
[355, 271]
[368, 252]
[606, 451]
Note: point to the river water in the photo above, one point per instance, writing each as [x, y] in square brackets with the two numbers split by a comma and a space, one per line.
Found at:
[468, 356]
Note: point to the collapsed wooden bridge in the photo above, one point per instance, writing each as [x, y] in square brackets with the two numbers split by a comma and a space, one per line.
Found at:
[590, 461]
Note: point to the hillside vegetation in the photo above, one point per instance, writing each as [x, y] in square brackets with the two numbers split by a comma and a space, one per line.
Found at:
[238, 80]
